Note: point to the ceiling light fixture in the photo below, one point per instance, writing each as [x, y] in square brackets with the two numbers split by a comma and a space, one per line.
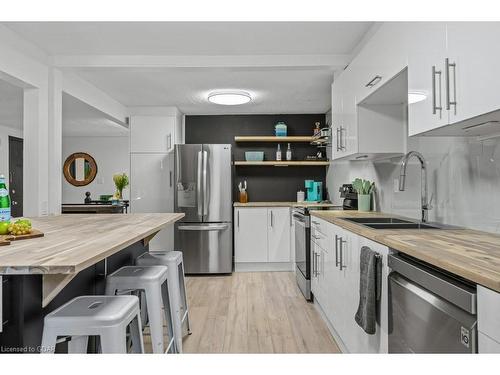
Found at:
[229, 97]
[416, 96]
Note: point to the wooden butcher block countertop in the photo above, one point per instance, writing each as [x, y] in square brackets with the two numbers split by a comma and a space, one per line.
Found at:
[471, 254]
[74, 242]
[285, 204]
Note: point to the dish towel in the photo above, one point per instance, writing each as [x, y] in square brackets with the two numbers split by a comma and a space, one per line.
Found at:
[369, 289]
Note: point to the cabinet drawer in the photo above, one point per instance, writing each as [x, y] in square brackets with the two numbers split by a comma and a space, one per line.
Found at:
[319, 239]
[488, 305]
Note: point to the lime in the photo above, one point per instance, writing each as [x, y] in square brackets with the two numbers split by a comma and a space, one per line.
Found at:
[4, 227]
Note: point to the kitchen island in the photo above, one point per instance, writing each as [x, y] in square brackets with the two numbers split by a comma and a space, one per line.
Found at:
[72, 259]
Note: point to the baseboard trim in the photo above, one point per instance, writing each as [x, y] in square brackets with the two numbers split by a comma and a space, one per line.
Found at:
[264, 267]
[332, 330]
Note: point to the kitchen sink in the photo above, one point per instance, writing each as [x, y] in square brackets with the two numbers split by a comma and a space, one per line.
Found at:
[391, 223]
[377, 220]
[408, 225]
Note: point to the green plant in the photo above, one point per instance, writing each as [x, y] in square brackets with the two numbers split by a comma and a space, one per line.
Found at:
[121, 182]
[363, 187]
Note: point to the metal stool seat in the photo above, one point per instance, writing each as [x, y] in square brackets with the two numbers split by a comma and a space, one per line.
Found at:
[151, 281]
[177, 287]
[105, 316]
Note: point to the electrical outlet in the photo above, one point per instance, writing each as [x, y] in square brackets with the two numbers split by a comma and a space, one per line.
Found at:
[396, 185]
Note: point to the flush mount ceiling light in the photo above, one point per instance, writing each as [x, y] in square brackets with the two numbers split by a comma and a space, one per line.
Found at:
[416, 96]
[229, 97]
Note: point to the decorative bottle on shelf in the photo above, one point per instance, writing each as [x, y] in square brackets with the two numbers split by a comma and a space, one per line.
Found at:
[278, 153]
[288, 153]
[4, 200]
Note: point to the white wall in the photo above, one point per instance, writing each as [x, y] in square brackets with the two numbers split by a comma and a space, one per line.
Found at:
[111, 155]
[464, 181]
[4, 147]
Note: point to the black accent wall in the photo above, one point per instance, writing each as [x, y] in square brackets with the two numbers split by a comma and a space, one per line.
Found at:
[264, 183]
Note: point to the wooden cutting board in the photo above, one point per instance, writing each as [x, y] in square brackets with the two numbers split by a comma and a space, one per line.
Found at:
[6, 239]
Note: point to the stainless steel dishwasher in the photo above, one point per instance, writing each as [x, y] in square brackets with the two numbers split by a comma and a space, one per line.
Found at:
[430, 310]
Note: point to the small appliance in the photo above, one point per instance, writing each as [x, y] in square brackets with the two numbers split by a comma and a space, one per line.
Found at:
[350, 197]
[314, 191]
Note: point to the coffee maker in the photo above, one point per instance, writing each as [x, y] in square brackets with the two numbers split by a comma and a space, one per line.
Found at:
[314, 191]
[350, 197]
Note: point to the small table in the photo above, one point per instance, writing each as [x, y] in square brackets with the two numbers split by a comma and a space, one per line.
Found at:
[95, 207]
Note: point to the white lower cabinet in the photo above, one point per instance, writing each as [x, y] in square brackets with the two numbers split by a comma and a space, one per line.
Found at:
[488, 320]
[262, 236]
[335, 285]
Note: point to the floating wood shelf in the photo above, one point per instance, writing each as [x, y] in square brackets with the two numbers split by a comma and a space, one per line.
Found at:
[283, 163]
[304, 139]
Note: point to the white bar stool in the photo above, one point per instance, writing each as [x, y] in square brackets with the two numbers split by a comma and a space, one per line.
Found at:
[103, 316]
[176, 283]
[150, 280]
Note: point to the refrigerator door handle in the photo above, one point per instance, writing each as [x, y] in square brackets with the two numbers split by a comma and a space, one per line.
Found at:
[205, 188]
[204, 227]
[199, 186]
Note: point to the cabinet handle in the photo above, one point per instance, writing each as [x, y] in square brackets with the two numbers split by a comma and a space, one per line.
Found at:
[170, 177]
[450, 103]
[271, 218]
[374, 81]
[338, 147]
[342, 242]
[317, 266]
[314, 263]
[342, 144]
[435, 107]
[336, 250]
[238, 218]
[169, 141]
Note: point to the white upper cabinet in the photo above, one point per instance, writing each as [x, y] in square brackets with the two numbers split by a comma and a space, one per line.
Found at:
[357, 135]
[382, 58]
[454, 64]
[473, 55]
[153, 134]
[426, 75]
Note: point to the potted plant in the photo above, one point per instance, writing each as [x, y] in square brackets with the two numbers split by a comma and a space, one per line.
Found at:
[121, 182]
[364, 188]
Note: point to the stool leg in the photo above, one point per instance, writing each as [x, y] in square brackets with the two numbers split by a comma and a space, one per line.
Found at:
[144, 308]
[174, 295]
[153, 300]
[171, 346]
[114, 340]
[110, 289]
[182, 284]
[49, 339]
[136, 335]
[78, 344]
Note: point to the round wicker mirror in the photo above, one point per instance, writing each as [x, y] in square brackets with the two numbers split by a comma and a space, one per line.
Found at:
[80, 169]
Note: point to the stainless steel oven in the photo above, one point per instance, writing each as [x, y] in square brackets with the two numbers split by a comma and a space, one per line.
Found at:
[302, 223]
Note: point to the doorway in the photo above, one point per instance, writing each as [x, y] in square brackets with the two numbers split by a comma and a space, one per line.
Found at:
[16, 175]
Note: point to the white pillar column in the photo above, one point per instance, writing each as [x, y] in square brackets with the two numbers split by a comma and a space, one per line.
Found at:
[55, 141]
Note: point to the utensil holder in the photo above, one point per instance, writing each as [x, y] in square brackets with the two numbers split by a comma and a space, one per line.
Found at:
[364, 202]
[243, 197]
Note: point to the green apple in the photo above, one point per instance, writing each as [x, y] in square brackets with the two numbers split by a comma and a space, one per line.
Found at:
[4, 227]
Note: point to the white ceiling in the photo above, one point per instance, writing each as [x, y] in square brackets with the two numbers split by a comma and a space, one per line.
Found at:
[290, 90]
[11, 105]
[192, 38]
[80, 119]
[278, 87]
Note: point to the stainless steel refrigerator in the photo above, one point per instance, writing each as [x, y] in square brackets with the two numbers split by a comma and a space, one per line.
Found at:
[203, 193]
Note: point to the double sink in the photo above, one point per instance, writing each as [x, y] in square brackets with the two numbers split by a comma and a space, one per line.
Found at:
[391, 223]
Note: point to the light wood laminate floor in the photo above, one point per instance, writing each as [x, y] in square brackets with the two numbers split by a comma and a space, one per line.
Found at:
[255, 312]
